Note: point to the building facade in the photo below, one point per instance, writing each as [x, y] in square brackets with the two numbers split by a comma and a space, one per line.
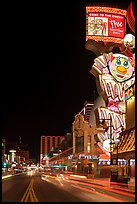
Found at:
[117, 90]
[126, 146]
[49, 143]
[86, 110]
[85, 157]
[22, 151]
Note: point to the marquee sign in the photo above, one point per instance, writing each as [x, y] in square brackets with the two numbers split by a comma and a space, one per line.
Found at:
[83, 156]
[105, 24]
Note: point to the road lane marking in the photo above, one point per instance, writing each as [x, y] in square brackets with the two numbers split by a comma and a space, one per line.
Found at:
[35, 198]
[60, 182]
[29, 193]
[22, 200]
[31, 197]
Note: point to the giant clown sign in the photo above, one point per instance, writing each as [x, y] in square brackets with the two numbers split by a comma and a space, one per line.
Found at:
[115, 73]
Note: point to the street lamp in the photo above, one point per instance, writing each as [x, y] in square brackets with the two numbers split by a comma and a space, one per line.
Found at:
[12, 151]
[60, 158]
[114, 171]
[116, 142]
[129, 39]
[111, 139]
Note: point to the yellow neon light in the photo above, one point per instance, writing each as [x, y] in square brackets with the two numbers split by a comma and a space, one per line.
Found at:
[104, 39]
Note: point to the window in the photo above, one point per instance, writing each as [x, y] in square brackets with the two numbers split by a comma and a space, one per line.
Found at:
[53, 141]
[89, 144]
[58, 140]
[43, 145]
[79, 144]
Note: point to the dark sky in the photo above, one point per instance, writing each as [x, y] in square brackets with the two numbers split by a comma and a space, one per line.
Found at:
[45, 76]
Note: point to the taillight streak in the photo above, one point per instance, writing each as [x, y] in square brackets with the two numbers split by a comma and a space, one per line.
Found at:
[95, 192]
[105, 188]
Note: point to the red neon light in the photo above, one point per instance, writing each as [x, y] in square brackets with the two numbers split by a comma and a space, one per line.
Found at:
[104, 39]
[106, 10]
[131, 18]
[61, 153]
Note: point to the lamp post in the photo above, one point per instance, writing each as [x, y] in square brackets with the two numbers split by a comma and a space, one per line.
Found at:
[114, 170]
[116, 142]
[111, 139]
[12, 151]
[60, 158]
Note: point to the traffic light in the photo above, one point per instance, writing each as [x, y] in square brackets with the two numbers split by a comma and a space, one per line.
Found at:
[4, 164]
[46, 156]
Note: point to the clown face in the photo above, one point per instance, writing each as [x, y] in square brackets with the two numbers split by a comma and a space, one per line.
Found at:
[120, 67]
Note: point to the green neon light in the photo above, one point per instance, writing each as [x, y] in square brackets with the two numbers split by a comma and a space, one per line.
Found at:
[57, 166]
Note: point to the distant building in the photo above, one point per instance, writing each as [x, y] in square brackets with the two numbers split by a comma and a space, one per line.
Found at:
[86, 110]
[97, 103]
[3, 146]
[3, 149]
[49, 143]
[10, 145]
[22, 151]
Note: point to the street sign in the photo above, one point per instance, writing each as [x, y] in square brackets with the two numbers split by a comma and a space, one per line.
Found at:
[85, 162]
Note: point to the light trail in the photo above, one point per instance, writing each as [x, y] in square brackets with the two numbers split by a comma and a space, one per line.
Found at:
[105, 188]
[4, 177]
[77, 176]
[97, 193]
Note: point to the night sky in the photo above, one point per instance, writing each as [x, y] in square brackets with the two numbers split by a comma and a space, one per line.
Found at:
[45, 76]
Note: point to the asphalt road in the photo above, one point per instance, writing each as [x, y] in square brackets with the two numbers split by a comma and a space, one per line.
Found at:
[38, 188]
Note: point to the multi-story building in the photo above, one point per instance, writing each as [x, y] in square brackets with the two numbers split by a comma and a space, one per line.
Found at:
[86, 110]
[22, 151]
[3, 146]
[49, 143]
[3, 149]
[85, 156]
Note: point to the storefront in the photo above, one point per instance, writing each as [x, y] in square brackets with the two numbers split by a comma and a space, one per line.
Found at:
[85, 156]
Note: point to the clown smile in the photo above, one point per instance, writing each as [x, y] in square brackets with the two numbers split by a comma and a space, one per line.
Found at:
[119, 75]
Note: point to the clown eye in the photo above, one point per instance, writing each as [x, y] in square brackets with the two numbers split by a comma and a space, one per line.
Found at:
[125, 64]
[118, 62]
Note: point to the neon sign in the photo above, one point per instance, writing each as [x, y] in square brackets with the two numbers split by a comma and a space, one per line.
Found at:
[116, 74]
[105, 24]
[130, 92]
[118, 120]
[120, 67]
[116, 77]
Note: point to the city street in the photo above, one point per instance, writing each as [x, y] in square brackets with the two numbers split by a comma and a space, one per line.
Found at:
[38, 187]
[68, 105]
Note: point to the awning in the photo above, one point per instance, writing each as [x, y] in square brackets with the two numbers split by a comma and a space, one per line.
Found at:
[104, 157]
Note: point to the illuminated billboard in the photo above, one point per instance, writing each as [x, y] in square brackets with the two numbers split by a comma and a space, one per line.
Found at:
[115, 74]
[105, 24]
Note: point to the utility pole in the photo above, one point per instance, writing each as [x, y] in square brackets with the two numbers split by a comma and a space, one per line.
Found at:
[20, 140]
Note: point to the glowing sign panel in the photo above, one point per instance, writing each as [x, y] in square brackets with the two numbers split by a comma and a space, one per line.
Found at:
[116, 81]
[105, 22]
